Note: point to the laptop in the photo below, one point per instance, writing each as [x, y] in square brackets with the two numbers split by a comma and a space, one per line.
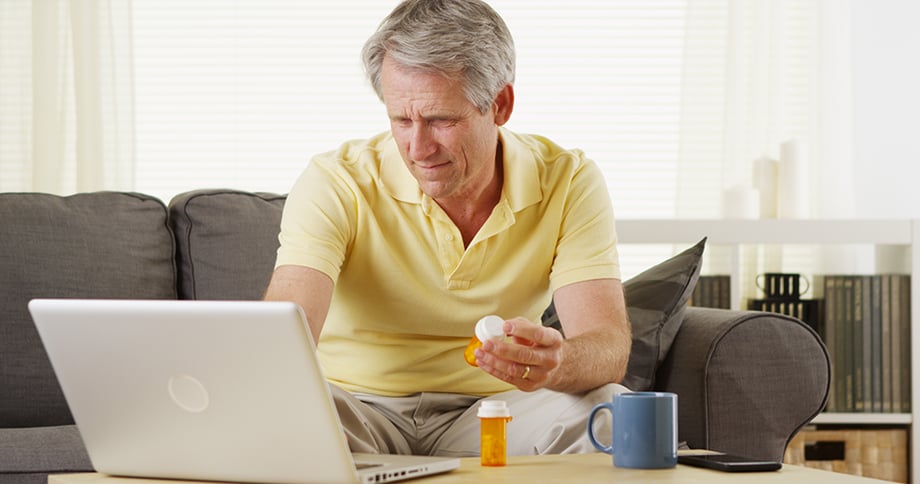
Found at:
[205, 390]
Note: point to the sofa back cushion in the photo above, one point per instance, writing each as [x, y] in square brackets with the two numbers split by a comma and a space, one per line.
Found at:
[91, 245]
[226, 242]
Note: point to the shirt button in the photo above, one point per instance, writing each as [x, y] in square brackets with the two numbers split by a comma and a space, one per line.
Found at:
[449, 238]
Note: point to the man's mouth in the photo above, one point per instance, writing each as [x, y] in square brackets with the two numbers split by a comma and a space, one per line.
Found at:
[431, 166]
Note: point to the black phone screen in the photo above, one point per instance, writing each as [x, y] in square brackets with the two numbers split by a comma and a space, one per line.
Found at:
[729, 462]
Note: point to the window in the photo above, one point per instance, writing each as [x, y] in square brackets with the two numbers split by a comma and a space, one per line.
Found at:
[241, 94]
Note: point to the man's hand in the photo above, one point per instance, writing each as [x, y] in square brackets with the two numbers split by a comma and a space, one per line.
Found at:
[594, 352]
[528, 359]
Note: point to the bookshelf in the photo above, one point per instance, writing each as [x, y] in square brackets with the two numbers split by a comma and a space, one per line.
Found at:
[897, 240]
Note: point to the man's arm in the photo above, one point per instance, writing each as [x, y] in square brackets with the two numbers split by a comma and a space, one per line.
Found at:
[598, 336]
[309, 288]
[595, 351]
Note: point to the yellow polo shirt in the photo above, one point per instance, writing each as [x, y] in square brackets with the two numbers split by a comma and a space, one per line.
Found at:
[407, 293]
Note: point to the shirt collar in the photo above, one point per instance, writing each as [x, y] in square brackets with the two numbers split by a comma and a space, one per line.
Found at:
[521, 189]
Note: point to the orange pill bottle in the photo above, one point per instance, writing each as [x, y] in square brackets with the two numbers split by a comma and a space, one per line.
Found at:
[489, 327]
[494, 416]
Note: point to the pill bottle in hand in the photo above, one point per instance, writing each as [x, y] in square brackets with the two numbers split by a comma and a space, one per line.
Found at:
[489, 327]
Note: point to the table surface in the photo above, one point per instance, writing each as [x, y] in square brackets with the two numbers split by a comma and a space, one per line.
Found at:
[562, 468]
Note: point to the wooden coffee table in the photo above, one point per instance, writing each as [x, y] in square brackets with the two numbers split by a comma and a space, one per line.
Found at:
[563, 468]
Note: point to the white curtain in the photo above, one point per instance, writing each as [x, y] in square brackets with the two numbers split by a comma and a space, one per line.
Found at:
[757, 74]
[66, 102]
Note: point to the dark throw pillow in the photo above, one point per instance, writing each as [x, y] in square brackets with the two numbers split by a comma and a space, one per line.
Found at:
[655, 302]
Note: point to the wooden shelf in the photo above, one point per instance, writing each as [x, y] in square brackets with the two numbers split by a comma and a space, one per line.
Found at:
[661, 231]
[864, 418]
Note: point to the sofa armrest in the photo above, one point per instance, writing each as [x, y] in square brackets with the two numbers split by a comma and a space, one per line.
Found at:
[747, 381]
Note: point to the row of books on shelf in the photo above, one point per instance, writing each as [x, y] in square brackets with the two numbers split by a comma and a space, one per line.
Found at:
[866, 328]
[712, 291]
[864, 320]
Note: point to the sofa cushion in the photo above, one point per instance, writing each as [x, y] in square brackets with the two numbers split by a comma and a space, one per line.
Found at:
[91, 245]
[226, 242]
[656, 301]
[42, 450]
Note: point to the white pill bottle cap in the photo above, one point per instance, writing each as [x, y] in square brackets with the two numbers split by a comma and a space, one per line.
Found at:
[493, 409]
[490, 327]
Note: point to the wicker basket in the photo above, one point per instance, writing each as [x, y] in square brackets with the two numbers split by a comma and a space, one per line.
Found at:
[876, 453]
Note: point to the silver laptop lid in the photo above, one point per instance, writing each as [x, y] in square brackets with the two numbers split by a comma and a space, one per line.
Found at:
[195, 390]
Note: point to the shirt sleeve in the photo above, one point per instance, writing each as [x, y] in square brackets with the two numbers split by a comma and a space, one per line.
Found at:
[318, 219]
[587, 245]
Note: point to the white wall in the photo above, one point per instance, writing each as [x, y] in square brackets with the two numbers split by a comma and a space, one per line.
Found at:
[886, 107]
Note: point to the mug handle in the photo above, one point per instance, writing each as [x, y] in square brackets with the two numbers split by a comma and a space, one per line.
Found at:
[807, 285]
[601, 406]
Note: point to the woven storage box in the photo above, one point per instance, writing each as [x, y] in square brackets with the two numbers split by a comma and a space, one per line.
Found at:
[876, 453]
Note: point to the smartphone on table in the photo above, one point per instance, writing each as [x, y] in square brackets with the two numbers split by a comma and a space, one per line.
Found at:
[728, 462]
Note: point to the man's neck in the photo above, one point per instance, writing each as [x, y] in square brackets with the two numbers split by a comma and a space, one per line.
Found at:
[469, 214]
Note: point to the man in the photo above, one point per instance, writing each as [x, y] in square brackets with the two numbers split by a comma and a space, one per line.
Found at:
[395, 246]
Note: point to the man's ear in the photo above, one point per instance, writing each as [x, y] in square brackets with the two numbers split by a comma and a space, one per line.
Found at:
[504, 104]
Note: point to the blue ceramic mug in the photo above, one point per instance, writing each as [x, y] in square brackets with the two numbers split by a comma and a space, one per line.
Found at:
[644, 430]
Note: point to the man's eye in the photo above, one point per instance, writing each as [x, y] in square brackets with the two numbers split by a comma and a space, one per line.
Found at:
[444, 123]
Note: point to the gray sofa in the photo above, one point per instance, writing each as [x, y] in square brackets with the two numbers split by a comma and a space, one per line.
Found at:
[746, 381]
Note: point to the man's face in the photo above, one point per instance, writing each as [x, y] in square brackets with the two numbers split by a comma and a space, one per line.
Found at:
[447, 144]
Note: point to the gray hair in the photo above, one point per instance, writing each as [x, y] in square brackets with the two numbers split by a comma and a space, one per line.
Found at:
[464, 40]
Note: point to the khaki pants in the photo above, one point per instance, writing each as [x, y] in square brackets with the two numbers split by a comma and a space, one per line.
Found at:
[543, 422]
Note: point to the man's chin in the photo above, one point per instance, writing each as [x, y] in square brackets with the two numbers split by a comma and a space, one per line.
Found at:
[436, 190]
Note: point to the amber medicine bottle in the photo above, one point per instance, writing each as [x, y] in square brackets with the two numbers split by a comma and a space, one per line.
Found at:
[494, 416]
[489, 327]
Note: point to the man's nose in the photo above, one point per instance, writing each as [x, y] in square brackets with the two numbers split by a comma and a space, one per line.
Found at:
[421, 143]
